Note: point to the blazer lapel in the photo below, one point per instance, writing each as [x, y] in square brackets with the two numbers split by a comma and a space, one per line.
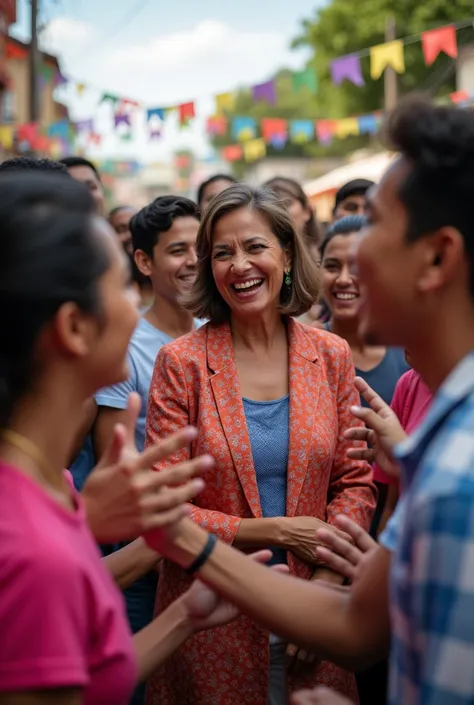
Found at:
[225, 387]
[304, 394]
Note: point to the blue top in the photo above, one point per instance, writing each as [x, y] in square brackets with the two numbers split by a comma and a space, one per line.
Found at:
[144, 347]
[431, 536]
[268, 429]
[384, 377]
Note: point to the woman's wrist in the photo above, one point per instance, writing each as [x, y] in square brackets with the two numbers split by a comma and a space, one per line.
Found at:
[187, 544]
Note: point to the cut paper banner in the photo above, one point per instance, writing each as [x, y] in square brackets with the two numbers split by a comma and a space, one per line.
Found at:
[301, 131]
[80, 88]
[28, 132]
[109, 98]
[60, 80]
[122, 118]
[244, 128]
[368, 124]
[85, 126]
[186, 112]
[349, 68]
[459, 97]
[155, 112]
[305, 79]
[254, 150]
[216, 125]
[346, 127]
[274, 129]
[6, 136]
[325, 130]
[225, 102]
[60, 129]
[232, 153]
[439, 40]
[265, 91]
[389, 54]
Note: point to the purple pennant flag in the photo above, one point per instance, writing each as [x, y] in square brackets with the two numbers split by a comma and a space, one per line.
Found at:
[60, 80]
[122, 119]
[85, 125]
[347, 67]
[265, 91]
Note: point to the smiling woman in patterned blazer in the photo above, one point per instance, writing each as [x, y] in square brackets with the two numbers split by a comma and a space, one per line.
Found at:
[270, 398]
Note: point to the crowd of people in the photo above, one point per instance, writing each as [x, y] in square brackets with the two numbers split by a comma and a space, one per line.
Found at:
[267, 425]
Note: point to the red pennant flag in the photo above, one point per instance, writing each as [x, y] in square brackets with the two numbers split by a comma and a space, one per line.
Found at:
[437, 40]
[459, 97]
[232, 153]
[216, 125]
[274, 127]
[186, 112]
[28, 132]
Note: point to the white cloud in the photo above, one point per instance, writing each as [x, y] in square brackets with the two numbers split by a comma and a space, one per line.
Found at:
[194, 64]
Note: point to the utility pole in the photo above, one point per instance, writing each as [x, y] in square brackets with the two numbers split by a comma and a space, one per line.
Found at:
[34, 64]
[390, 76]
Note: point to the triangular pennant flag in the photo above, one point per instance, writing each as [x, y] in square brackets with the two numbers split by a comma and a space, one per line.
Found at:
[305, 79]
[388, 54]
[6, 136]
[232, 153]
[265, 91]
[110, 98]
[301, 131]
[122, 118]
[435, 41]
[349, 68]
[346, 127]
[186, 112]
[254, 150]
[225, 102]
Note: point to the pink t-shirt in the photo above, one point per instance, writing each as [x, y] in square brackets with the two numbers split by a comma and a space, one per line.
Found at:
[411, 400]
[62, 618]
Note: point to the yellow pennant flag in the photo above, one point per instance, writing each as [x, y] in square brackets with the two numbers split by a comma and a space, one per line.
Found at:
[346, 127]
[254, 149]
[80, 88]
[6, 136]
[225, 102]
[389, 54]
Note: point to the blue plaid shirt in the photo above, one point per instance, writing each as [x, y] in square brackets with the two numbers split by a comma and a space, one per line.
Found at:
[431, 536]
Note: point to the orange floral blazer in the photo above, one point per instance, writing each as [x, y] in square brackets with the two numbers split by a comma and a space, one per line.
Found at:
[195, 382]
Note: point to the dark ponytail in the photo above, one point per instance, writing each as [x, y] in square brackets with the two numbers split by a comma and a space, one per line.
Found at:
[48, 256]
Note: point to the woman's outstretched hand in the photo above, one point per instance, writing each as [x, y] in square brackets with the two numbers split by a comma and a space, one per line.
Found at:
[382, 433]
[124, 497]
[341, 555]
[206, 609]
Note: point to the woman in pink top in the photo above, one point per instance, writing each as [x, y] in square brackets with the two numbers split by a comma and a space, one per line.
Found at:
[67, 313]
[411, 401]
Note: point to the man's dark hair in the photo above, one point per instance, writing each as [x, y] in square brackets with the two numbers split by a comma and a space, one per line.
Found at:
[158, 217]
[438, 145]
[79, 161]
[356, 187]
[118, 209]
[344, 226]
[32, 164]
[211, 180]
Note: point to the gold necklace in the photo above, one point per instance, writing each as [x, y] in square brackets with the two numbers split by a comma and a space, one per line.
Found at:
[30, 449]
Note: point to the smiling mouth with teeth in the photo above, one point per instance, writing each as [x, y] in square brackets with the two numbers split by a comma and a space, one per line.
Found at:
[247, 286]
[345, 296]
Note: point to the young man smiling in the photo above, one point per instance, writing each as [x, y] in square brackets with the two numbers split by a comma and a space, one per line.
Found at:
[164, 242]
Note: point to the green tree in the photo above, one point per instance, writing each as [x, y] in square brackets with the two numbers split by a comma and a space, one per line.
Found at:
[342, 27]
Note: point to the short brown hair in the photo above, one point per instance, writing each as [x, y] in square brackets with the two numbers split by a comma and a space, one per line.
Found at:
[204, 299]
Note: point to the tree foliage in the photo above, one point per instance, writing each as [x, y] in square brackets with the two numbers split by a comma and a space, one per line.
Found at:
[342, 27]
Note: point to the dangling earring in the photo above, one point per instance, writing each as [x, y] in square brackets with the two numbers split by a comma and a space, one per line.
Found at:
[288, 277]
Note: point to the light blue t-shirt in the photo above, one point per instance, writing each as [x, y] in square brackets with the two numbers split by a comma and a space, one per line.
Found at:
[142, 351]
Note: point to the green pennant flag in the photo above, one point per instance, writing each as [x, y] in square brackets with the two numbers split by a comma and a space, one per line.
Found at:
[46, 72]
[109, 98]
[305, 79]
[126, 136]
